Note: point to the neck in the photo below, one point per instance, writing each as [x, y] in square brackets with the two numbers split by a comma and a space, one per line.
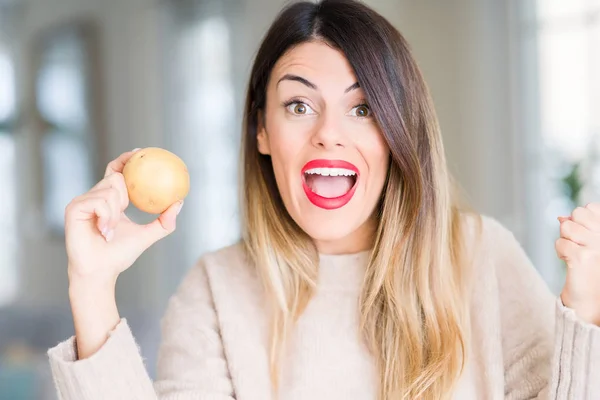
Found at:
[357, 241]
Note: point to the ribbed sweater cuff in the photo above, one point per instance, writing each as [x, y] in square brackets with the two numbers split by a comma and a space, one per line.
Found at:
[116, 371]
[577, 356]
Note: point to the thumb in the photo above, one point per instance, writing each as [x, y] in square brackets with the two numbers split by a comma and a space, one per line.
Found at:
[161, 227]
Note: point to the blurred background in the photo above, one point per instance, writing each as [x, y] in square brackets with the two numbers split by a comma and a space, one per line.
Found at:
[516, 84]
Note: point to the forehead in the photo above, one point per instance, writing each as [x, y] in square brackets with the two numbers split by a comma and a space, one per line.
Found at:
[317, 62]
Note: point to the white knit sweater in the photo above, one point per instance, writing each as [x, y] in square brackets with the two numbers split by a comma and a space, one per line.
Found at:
[525, 344]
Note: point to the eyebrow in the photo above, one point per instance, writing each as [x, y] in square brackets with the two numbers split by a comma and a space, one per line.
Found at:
[309, 84]
[350, 88]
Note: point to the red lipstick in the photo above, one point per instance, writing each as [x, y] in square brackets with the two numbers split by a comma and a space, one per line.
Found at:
[326, 202]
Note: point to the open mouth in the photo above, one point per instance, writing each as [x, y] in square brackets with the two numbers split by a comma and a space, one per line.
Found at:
[329, 184]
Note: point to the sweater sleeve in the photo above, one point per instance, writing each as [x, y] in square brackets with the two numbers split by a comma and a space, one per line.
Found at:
[115, 371]
[548, 352]
[191, 364]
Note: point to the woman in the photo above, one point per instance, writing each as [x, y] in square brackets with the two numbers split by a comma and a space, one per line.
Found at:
[358, 276]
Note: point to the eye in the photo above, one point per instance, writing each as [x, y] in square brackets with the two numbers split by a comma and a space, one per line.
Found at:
[361, 111]
[299, 108]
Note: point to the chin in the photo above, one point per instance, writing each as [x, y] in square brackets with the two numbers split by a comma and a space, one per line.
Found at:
[329, 229]
[343, 230]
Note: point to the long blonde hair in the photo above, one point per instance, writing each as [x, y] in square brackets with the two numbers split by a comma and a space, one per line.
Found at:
[414, 302]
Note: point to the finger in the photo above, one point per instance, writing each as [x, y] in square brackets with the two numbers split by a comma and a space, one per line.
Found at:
[594, 208]
[117, 164]
[161, 227]
[84, 209]
[566, 249]
[586, 218]
[112, 198]
[575, 232]
[562, 219]
[107, 225]
[115, 181]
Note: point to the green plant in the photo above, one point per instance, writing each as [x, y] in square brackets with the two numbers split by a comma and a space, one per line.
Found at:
[573, 183]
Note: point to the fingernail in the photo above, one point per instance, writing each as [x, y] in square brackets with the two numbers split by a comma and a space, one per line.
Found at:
[103, 231]
[179, 207]
[136, 149]
[109, 235]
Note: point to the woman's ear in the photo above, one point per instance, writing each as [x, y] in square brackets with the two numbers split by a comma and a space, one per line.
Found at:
[261, 136]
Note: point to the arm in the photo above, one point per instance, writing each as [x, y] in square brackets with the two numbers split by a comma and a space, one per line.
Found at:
[549, 353]
[191, 363]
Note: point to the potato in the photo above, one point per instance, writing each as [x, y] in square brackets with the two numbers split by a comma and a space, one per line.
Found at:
[155, 179]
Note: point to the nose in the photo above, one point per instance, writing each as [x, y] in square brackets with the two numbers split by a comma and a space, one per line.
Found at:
[328, 134]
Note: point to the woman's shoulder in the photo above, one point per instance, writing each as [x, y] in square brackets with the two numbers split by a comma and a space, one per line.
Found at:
[486, 235]
[493, 250]
[499, 255]
[233, 255]
[222, 271]
[228, 266]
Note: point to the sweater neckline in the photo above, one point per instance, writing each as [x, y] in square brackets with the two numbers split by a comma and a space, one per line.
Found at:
[343, 271]
[326, 260]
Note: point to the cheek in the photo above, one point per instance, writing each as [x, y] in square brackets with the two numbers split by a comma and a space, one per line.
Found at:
[286, 141]
[376, 153]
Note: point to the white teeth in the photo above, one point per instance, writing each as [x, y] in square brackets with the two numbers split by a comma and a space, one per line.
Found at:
[330, 172]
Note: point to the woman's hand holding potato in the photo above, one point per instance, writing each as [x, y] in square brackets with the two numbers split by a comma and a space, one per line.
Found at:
[102, 242]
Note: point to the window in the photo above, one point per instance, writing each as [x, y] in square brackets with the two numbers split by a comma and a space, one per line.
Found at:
[203, 124]
[560, 55]
[63, 102]
[8, 211]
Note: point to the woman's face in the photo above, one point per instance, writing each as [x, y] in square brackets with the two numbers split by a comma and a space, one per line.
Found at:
[329, 156]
